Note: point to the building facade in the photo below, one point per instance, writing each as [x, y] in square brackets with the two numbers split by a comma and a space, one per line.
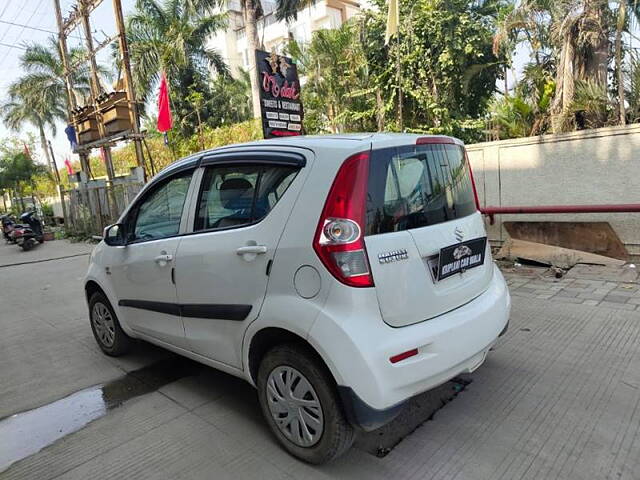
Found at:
[274, 34]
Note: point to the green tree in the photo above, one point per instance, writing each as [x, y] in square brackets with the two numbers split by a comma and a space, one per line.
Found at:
[527, 109]
[632, 87]
[44, 72]
[337, 95]
[26, 105]
[18, 170]
[39, 96]
[448, 70]
[231, 97]
[172, 36]
[576, 33]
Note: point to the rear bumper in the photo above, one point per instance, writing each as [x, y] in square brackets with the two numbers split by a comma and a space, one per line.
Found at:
[357, 350]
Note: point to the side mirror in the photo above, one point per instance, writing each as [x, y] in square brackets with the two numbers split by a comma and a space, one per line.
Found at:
[114, 235]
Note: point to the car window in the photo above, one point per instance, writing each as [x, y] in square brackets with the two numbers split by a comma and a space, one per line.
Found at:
[240, 195]
[159, 214]
[417, 186]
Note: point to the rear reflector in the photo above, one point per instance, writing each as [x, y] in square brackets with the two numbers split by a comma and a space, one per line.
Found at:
[403, 356]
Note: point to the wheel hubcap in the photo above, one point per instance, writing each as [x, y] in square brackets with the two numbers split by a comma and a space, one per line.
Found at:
[104, 324]
[294, 406]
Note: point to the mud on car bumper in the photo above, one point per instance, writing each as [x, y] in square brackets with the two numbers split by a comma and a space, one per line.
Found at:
[363, 416]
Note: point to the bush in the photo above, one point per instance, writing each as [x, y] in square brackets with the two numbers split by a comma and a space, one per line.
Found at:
[178, 147]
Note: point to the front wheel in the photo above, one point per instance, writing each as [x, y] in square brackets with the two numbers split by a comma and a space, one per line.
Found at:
[26, 245]
[105, 326]
[299, 401]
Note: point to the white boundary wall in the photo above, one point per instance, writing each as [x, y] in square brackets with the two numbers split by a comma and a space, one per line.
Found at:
[600, 166]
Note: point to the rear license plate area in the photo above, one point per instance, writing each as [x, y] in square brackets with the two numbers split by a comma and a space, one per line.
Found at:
[458, 258]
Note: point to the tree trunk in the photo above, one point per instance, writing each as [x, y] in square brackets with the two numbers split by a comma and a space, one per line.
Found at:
[380, 110]
[506, 81]
[565, 87]
[253, 42]
[622, 13]
[596, 66]
[18, 191]
[45, 149]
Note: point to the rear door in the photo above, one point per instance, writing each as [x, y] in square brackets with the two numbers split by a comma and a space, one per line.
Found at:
[425, 238]
[222, 267]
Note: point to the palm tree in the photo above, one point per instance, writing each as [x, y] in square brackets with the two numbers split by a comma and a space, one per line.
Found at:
[45, 72]
[251, 9]
[28, 104]
[575, 32]
[622, 24]
[171, 36]
[39, 96]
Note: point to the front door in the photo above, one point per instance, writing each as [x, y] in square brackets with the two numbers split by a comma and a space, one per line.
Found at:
[142, 271]
[222, 267]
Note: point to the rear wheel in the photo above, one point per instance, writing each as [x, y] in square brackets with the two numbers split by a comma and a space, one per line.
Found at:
[299, 401]
[27, 245]
[106, 328]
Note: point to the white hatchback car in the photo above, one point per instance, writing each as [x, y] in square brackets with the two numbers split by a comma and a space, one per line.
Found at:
[339, 275]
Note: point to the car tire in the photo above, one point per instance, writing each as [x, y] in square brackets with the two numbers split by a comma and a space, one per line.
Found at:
[106, 328]
[334, 436]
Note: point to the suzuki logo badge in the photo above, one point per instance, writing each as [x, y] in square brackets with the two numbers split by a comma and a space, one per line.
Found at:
[459, 234]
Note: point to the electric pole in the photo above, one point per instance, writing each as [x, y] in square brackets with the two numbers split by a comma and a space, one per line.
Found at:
[64, 55]
[56, 174]
[96, 89]
[128, 83]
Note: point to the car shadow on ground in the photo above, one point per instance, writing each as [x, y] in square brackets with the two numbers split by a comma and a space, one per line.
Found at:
[241, 399]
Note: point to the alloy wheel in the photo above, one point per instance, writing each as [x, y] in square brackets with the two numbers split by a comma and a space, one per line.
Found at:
[104, 325]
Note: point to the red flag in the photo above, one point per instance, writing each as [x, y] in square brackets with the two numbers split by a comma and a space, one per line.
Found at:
[67, 164]
[102, 155]
[165, 122]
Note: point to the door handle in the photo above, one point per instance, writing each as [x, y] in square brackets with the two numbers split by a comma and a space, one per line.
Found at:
[252, 249]
[163, 259]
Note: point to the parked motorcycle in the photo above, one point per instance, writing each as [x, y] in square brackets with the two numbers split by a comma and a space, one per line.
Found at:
[8, 227]
[30, 233]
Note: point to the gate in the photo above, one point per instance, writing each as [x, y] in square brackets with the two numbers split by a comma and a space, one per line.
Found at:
[89, 210]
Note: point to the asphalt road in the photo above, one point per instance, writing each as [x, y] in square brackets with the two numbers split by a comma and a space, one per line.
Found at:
[559, 397]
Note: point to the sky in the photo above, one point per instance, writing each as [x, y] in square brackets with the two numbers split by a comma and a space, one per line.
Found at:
[39, 15]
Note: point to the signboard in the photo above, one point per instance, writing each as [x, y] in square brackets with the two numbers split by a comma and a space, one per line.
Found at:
[279, 95]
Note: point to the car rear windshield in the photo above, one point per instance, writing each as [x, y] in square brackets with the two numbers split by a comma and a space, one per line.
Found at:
[416, 186]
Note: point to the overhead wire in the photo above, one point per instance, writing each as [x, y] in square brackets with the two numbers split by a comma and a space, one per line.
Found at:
[33, 28]
[12, 46]
[6, 5]
[20, 34]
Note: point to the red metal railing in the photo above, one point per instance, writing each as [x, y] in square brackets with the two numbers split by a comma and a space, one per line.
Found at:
[619, 208]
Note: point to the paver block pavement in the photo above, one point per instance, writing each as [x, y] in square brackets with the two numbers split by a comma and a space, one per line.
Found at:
[558, 397]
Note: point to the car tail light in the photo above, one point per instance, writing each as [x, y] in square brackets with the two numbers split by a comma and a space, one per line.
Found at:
[339, 241]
